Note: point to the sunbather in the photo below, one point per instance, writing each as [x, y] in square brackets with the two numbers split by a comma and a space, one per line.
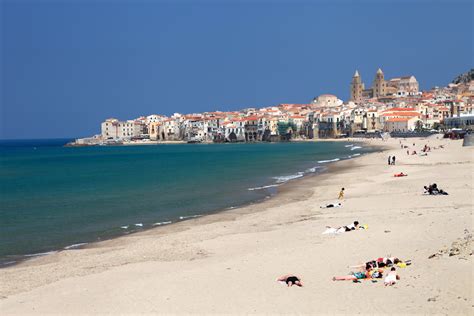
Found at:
[290, 280]
[331, 205]
[433, 189]
[401, 174]
[391, 277]
[360, 275]
[341, 229]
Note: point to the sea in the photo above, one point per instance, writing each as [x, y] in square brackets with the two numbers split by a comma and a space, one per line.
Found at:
[55, 197]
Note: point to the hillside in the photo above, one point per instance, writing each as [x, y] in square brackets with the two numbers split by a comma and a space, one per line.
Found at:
[465, 77]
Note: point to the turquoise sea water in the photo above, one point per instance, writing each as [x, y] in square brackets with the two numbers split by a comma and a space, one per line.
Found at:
[54, 197]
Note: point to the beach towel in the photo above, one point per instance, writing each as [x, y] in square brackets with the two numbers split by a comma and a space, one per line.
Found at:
[334, 231]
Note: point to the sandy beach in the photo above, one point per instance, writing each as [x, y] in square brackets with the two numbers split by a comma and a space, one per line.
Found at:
[228, 263]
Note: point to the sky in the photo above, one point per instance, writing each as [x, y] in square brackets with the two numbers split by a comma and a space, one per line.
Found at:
[66, 66]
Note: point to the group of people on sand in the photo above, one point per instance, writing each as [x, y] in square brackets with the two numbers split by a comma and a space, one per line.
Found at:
[424, 150]
[374, 269]
[371, 270]
[433, 189]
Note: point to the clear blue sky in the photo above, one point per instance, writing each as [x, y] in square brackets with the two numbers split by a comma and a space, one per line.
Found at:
[68, 65]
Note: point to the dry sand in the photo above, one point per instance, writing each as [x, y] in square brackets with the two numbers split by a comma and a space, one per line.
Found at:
[227, 263]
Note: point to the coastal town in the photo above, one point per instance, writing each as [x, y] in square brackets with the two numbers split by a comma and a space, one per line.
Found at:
[395, 106]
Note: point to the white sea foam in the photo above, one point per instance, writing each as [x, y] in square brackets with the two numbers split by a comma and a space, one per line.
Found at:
[284, 179]
[313, 169]
[124, 227]
[264, 187]
[73, 246]
[349, 145]
[331, 160]
[191, 216]
[41, 254]
[355, 155]
[139, 224]
[356, 147]
[162, 223]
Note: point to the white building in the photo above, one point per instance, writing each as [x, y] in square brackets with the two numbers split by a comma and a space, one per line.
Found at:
[121, 130]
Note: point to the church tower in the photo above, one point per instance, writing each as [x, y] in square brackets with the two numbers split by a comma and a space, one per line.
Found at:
[356, 88]
[379, 86]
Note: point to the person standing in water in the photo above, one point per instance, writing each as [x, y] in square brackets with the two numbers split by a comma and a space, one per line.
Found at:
[341, 194]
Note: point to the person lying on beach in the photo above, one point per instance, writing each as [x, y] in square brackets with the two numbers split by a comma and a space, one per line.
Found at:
[360, 275]
[383, 262]
[342, 229]
[433, 190]
[401, 174]
[290, 280]
[331, 205]
[391, 277]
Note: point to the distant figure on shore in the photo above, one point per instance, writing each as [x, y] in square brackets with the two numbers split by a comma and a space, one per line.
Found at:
[290, 280]
[341, 194]
[331, 205]
[389, 160]
[408, 152]
[393, 160]
[401, 174]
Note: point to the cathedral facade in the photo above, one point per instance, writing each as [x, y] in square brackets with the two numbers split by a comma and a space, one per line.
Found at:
[400, 86]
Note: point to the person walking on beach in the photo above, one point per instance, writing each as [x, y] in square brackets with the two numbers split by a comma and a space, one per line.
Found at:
[393, 160]
[389, 160]
[341, 194]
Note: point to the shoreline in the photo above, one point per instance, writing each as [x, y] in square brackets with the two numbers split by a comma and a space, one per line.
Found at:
[329, 166]
[156, 271]
[181, 142]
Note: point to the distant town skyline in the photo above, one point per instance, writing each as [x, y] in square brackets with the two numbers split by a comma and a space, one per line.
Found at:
[66, 67]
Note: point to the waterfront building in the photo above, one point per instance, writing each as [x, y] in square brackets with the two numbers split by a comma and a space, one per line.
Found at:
[464, 121]
[373, 123]
[122, 130]
[399, 119]
[155, 130]
[171, 129]
[401, 124]
[251, 128]
[298, 121]
[234, 131]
